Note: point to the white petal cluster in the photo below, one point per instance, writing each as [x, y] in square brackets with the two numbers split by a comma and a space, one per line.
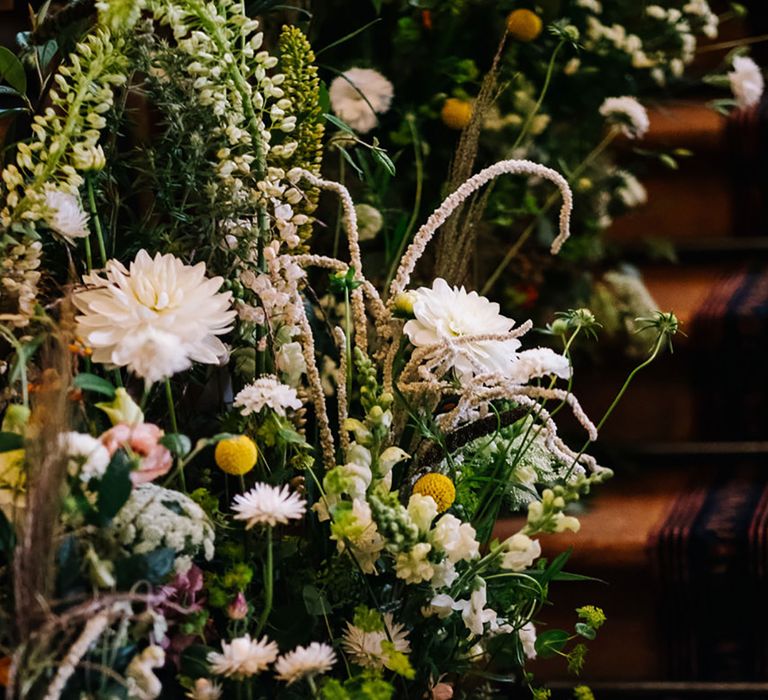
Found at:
[747, 82]
[473, 611]
[364, 647]
[520, 551]
[358, 95]
[527, 635]
[87, 457]
[413, 566]
[628, 114]
[267, 392]
[156, 318]
[303, 662]
[539, 362]
[268, 505]
[65, 215]
[455, 538]
[243, 657]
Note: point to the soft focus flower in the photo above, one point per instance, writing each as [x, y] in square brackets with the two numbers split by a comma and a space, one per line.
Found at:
[65, 216]
[358, 95]
[441, 605]
[238, 607]
[144, 440]
[122, 409]
[369, 221]
[141, 680]
[364, 647]
[520, 551]
[441, 691]
[455, 538]
[747, 81]
[243, 657]
[422, 510]
[524, 25]
[413, 566]
[87, 457]
[631, 191]
[439, 487]
[305, 661]
[528, 637]
[236, 455]
[539, 362]
[155, 318]
[267, 392]
[473, 611]
[291, 363]
[628, 114]
[268, 505]
[456, 113]
[205, 690]
[444, 314]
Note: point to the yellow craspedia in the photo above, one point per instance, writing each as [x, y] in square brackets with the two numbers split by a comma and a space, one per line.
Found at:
[456, 113]
[440, 487]
[524, 25]
[236, 455]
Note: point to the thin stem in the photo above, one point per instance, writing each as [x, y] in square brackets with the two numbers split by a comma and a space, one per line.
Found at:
[171, 407]
[733, 44]
[17, 346]
[348, 342]
[96, 221]
[88, 254]
[268, 585]
[339, 208]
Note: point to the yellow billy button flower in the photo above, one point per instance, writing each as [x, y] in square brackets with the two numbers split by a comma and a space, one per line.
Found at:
[456, 113]
[440, 487]
[524, 25]
[236, 455]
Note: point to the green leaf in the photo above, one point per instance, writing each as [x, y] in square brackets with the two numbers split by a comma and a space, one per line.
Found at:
[12, 71]
[340, 124]
[315, 602]
[12, 112]
[585, 630]
[349, 160]
[550, 642]
[178, 444]
[92, 382]
[382, 157]
[324, 98]
[7, 536]
[9, 91]
[114, 487]
[194, 661]
[153, 567]
[46, 52]
[11, 441]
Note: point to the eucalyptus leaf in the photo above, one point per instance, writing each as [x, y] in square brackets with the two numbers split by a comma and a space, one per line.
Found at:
[550, 642]
[114, 487]
[153, 567]
[178, 444]
[585, 630]
[339, 124]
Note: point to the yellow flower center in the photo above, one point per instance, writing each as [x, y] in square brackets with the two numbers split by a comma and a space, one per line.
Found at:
[456, 113]
[524, 25]
[440, 487]
[236, 455]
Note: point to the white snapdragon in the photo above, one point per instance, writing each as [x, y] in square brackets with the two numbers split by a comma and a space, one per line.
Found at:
[519, 552]
[473, 611]
[456, 539]
[414, 566]
[422, 510]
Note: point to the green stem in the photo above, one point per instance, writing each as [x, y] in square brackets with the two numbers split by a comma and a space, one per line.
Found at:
[348, 341]
[88, 254]
[17, 346]
[268, 585]
[96, 222]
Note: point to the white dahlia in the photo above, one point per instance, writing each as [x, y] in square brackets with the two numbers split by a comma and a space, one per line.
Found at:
[267, 392]
[444, 314]
[628, 114]
[243, 657]
[305, 662]
[65, 216]
[364, 647]
[358, 95]
[746, 81]
[268, 505]
[155, 318]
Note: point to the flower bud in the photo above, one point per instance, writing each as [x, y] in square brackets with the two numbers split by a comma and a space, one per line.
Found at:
[238, 607]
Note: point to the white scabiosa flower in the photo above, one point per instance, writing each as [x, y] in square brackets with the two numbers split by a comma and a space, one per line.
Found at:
[358, 95]
[443, 314]
[747, 81]
[527, 635]
[65, 216]
[243, 657]
[156, 318]
[268, 505]
[267, 392]
[364, 646]
[539, 362]
[520, 551]
[305, 662]
[628, 114]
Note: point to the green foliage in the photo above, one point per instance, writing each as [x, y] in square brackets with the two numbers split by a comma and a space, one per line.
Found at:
[366, 686]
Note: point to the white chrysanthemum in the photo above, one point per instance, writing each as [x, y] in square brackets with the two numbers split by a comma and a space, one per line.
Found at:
[358, 95]
[364, 648]
[520, 551]
[455, 538]
[302, 662]
[444, 313]
[155, 318]
[267, 392]
[243, 657]
[528, 637]
[87, 457]
[627, 113]
[268, 505]
[539, 362]
[205, 690]
[747, 81]
[65, 216]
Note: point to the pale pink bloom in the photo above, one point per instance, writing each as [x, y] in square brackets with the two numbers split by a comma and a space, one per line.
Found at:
[143, 440]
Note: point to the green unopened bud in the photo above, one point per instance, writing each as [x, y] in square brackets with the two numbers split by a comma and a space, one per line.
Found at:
[122, 409]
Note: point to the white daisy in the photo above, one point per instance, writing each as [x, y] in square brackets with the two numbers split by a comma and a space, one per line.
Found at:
[746, 81]
[628, 114]
[156, 318]
[444, 313]
[364, 647]
[65, 215]
[358, 95]
[267, 392]
[305, 661]
[243, 657]
[268, 505]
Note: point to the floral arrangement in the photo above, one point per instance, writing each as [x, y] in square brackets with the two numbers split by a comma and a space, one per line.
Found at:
[230, 465]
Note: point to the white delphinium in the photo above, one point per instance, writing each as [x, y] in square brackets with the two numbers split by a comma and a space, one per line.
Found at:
[364, 647]
[155, 517]
[444, 314]
[444, 574]
[747, 82]
[305, 662]
[527, 635]
[267, 392]
[156, 318]
[358, 95]
[87, 457]
[628, 114]
[539, 362]
[519, 552]
[65, 215]
[268, 505]
[455, 538]
[473, 611]
[243, 657]
[414, 566]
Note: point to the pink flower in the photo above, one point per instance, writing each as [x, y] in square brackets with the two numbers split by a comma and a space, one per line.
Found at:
[442, 691]
[144, 440]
